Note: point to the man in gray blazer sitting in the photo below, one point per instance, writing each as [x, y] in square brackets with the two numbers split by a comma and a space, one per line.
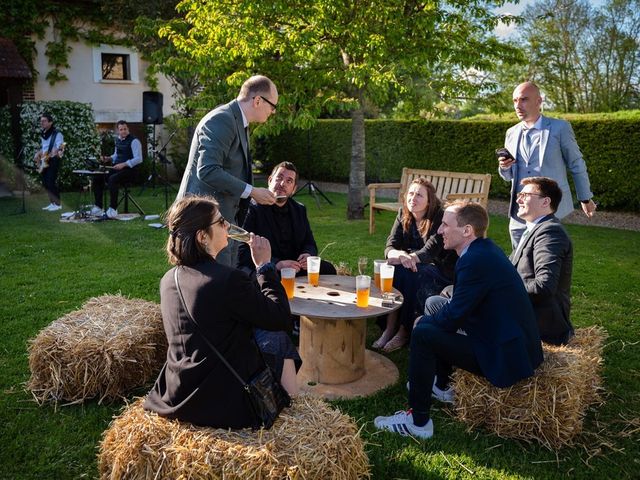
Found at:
[220, 161]
[541, 146]
[544, 258]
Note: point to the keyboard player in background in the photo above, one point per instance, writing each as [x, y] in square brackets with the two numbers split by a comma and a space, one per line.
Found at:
[127, 155]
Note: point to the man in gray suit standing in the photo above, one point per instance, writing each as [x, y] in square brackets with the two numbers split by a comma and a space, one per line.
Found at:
[220, 161]
[544, 258]
[541, 146]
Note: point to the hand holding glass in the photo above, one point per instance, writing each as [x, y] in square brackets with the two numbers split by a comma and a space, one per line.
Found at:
[288, 280]
[363, 286]
[313, 271]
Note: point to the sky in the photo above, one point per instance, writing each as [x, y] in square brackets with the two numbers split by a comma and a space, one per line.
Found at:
[504, 31]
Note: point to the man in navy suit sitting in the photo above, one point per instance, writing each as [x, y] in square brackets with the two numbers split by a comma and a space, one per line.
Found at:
[487, 328]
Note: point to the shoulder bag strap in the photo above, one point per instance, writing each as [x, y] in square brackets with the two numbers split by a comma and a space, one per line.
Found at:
[215, 350]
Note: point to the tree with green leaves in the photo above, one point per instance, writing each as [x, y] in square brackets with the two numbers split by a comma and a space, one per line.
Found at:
[330, 55]
[587, 59]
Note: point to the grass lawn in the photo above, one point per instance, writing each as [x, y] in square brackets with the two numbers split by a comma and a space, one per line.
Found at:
[48, 268]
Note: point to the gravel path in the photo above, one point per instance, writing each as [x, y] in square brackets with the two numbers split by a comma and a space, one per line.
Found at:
[620, 220]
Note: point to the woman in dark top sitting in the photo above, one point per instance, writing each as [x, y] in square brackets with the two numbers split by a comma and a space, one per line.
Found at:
[422, 266]
[194, 385]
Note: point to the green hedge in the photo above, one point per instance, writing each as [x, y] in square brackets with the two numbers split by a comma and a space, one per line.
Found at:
[611, 148]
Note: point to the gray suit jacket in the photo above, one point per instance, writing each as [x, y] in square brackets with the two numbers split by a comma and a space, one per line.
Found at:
[219, 159]
[545, 263]
[559, 152]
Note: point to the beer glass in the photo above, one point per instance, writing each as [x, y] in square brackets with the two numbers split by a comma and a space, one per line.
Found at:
[313, 271]
[363, 285]
[288, 280]
[376, 272]
[386, 277]
[362, 265]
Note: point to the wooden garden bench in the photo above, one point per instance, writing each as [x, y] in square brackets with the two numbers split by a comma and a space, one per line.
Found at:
[449, 186]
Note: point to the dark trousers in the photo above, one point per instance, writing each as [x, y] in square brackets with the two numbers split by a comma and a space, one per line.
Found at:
[114, 180]
[50, 180]
[415, 287]
[435, 352]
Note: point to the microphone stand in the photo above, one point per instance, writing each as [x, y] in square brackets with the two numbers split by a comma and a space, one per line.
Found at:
[159, 155]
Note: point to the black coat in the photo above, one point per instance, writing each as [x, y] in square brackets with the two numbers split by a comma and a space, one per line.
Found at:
[194, 385]
[260, 220]
[429, 249]
[545, 263]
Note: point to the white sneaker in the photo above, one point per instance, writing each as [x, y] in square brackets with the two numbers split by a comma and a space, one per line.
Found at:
[402, 423]
[48, 207]
[445, 396]
[111, 213]
[97, 211]
[54, 208]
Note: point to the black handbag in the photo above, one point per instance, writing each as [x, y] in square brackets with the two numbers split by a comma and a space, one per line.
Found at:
[266, 394]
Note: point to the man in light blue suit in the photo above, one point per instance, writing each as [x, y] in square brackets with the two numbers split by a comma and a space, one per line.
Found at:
[542, 147]
[220, 161]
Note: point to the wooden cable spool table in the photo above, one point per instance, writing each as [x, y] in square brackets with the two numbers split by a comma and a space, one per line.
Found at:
[333, 330]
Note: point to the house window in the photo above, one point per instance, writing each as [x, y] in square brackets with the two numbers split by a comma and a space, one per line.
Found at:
[116, 66]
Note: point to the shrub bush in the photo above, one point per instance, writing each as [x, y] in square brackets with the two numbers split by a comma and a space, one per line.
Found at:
[610, 146]
[73, 119]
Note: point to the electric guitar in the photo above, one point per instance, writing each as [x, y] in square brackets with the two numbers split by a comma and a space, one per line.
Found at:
[43, 161]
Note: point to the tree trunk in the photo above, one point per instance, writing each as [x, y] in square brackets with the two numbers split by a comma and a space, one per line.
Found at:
[355, 207]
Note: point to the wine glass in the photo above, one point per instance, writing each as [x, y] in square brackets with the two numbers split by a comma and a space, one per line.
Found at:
[362, 265]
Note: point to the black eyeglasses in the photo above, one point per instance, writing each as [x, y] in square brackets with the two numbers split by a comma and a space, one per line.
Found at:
[273, 105]
[528, 195]
[220, 219]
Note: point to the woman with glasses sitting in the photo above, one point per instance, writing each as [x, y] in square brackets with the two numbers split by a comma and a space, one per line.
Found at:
[194, 385]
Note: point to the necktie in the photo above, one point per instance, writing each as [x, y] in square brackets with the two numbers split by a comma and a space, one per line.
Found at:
[527, 142]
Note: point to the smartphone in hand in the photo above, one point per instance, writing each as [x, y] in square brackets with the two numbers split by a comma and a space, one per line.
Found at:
[503, 152]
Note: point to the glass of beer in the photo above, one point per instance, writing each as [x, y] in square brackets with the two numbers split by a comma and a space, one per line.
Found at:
[288, 280]
[237, 233]
[363, 285]
[313, 271]
[376, 272]
[386, 277]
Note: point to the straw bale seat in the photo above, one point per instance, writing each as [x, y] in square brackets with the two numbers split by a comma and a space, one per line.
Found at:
[548, 407]
[310, 440]
[108, 347]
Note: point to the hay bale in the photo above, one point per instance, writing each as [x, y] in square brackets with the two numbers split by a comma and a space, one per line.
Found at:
[109, 346]
[310, 440]
[548, 407]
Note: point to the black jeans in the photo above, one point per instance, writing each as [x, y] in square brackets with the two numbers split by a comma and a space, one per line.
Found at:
[114, 180]
[435, 352]
[50, 180]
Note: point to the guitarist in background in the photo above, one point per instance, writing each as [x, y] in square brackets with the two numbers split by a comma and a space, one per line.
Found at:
[48, 160]
[127, 155]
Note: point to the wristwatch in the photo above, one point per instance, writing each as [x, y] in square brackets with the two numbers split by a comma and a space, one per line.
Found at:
[265, 267]
[585, 201]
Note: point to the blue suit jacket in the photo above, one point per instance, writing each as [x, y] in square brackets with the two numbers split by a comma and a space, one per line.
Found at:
[559, 152]
[219, 159]
[491, 305]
